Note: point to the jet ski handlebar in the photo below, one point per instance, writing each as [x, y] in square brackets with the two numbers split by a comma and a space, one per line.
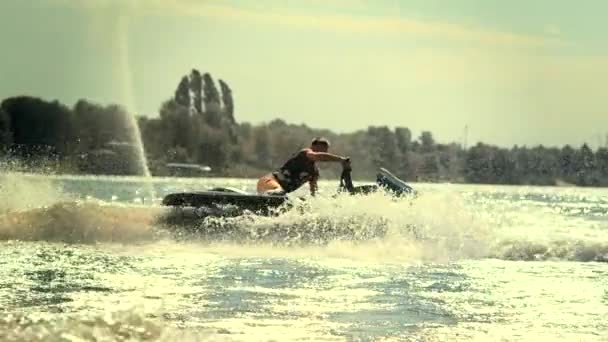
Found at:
[346, 181]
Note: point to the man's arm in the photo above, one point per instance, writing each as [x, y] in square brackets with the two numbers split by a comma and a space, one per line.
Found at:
[324, 156]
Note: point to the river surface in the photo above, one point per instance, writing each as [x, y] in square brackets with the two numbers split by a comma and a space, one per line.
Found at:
[98, 258]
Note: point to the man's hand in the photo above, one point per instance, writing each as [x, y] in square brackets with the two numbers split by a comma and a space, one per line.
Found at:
[346, 163]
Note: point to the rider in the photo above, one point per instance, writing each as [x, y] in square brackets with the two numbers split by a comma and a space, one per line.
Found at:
[299, 169]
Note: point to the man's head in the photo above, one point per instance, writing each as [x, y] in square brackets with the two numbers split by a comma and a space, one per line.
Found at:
[320, 145]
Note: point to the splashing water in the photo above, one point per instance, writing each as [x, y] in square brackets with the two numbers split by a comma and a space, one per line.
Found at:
[20, 192]
[136, 137]
[373, 228]
[438, 226]
[37, 208]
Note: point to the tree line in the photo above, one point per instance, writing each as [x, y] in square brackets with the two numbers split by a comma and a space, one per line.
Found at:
[197, 124]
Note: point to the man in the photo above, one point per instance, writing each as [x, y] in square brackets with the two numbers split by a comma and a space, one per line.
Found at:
[299, 169]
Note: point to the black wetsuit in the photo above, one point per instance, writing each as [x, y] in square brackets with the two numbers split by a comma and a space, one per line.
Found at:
[298, 170]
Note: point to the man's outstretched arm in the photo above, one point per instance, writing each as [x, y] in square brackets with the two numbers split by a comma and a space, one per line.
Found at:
[325, 156]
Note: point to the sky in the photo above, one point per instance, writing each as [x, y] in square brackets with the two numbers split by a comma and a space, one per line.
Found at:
[518, 72]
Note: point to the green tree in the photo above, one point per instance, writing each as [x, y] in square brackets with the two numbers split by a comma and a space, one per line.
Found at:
[478, 167]
[196, 86]
[566, 163]
[601, 158]
[213, 110]
[98, 125]
[39, 127]
[215, 149]
[404, 138]
[152, 136]
[227, 101]
[182, 93]
[88, 120]
[262, 143]
[430, 166]
[6, 135]
[502, 168]
[427, 141]
[450, 162]
[383, 146]
[176, 123]
[585, 166]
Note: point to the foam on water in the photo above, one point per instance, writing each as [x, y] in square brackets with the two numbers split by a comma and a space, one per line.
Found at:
[35, 208]
[123, 325]
[374, 228]
[80, 222]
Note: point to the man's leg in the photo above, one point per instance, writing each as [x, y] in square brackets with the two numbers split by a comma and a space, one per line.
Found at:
[269, 185]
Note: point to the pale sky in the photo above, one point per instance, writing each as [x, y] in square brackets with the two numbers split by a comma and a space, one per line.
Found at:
[516, 72]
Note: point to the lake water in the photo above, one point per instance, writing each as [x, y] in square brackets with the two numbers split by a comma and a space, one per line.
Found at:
[94, 258]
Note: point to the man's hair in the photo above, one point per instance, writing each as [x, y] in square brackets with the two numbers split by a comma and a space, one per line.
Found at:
[320, 141]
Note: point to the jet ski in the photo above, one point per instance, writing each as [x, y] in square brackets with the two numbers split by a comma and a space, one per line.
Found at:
[221, 201]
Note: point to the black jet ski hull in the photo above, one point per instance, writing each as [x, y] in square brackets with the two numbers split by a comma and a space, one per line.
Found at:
[200, 199]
